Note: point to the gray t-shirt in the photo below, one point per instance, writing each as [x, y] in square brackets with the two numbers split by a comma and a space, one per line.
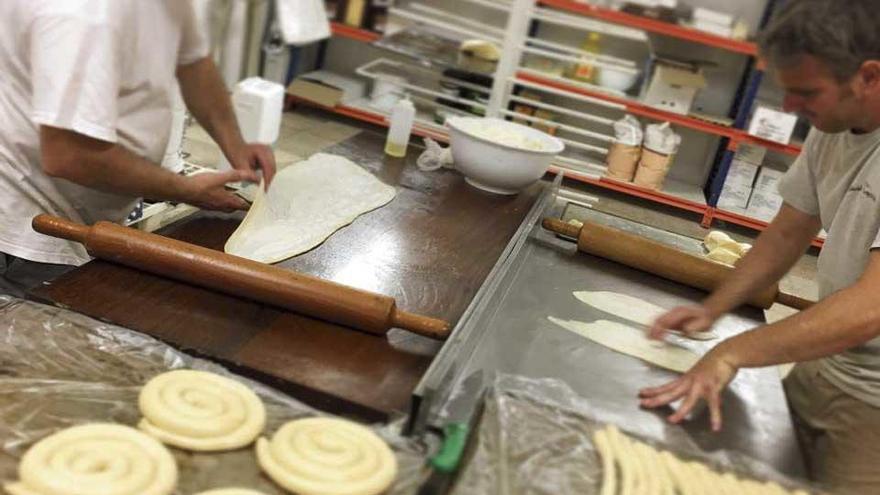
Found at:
[837, 177]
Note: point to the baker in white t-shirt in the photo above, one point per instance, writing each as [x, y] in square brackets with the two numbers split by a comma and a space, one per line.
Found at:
[826, 56]
[86, 99]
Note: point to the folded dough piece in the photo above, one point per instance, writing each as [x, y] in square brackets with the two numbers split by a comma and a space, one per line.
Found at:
[715, 239]
[632, 342]
[724, 255]
[306, 203]
[723, 249]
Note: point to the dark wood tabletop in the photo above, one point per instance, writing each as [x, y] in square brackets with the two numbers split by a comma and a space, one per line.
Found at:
[430, 248]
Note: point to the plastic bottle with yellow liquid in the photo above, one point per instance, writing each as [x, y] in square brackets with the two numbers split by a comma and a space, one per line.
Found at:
[586, 70]
[402, 117]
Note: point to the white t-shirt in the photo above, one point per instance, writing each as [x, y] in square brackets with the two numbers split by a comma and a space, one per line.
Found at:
[837, 177]
[102, 68]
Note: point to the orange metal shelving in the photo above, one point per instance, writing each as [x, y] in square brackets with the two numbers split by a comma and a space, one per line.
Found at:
[354, 33]
[654, 26]
[636, 108]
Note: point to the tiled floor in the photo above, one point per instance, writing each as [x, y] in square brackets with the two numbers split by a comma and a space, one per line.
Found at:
[306, 131]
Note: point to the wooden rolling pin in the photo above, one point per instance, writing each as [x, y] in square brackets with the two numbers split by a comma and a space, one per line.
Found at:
[241, 277]
[662, 260]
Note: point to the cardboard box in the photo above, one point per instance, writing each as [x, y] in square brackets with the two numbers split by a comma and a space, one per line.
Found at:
[326, 88]
[764, 205]
[741, 173]
[750, 153]
[674, 86]
[773, 125]
[768, 180]
[738, 185]
[735, 197]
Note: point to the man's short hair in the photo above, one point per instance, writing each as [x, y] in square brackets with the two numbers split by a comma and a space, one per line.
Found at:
[843, 34]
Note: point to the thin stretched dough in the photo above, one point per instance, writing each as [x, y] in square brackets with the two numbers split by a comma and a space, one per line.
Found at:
[632, 342]
[306, 203]
[632, 309]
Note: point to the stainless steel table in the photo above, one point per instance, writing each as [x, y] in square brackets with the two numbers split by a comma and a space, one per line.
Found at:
[506, 330]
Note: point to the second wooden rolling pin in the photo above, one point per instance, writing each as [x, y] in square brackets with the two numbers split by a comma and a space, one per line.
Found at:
[662, 260]
[373, 313]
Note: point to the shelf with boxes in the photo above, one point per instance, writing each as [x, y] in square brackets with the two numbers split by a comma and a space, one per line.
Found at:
[731, 129]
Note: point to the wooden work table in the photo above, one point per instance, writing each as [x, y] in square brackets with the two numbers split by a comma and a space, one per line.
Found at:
[430, 248]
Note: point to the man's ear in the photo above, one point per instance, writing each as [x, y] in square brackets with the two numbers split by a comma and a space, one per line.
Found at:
[867, 80]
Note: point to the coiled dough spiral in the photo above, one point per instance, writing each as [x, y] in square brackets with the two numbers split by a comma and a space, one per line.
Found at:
[327, 456]
[231, 491]
[96, 459]
[201, 411]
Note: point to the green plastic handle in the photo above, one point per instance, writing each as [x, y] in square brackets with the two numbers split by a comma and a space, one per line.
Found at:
[454, 439]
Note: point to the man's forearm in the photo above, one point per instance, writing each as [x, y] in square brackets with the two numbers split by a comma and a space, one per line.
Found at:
[207, 98]
[846, 319]
[107, 167]
[776, 250]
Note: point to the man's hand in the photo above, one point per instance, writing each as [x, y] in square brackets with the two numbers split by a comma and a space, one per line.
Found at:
[705, 381]
[208, 191]
[688, 319]
[253, 158]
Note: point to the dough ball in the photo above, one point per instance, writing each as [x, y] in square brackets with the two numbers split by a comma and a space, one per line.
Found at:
[201, 411]
[99, 459]
[327, 456]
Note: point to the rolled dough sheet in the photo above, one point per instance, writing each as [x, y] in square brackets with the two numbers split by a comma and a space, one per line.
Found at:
[632, 342]
[306, 203]
[632, 309]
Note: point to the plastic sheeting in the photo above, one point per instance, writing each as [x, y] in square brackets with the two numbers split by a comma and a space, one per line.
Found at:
[535, 436]
[59, 369]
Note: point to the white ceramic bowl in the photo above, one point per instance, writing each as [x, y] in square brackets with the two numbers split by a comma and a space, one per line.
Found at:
[620, 79]
[481, 155]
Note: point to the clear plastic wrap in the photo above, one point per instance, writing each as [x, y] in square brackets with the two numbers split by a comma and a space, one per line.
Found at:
[59, 368]
[535, 436]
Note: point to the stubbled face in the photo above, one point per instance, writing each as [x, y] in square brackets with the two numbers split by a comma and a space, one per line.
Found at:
[812, 92]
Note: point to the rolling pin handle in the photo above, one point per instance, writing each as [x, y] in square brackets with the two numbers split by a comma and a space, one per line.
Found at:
[793, 301]
[422, 325]
[562, 228]
[60, 227]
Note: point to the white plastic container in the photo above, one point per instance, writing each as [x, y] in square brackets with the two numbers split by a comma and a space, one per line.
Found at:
[402, 118]
[258, 105]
